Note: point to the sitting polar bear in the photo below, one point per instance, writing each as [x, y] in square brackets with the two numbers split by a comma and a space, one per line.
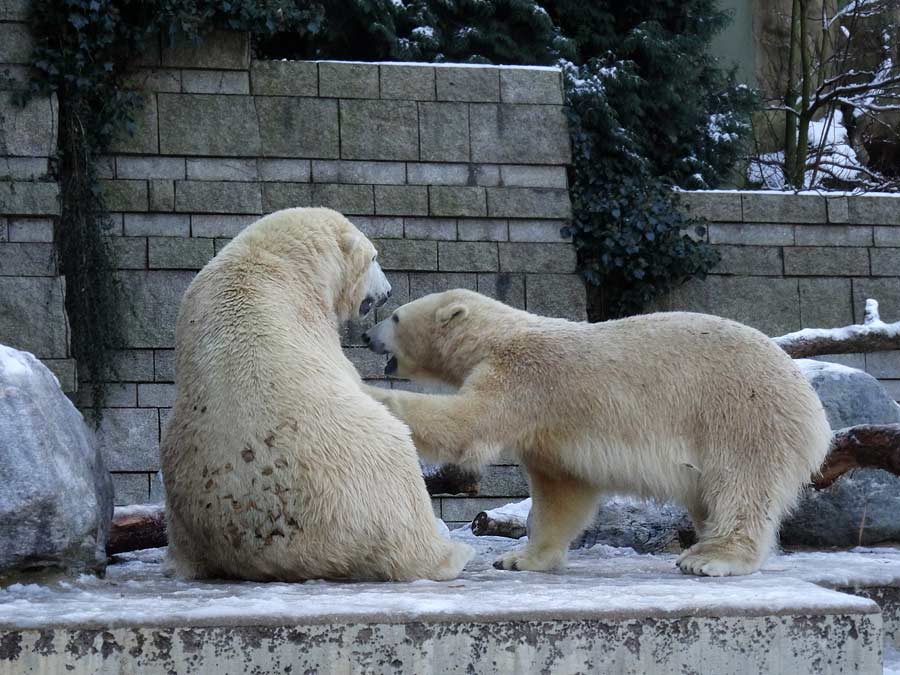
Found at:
[275, 459]
[675, 405]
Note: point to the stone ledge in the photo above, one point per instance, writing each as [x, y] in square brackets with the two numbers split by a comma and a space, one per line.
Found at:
[604, 612]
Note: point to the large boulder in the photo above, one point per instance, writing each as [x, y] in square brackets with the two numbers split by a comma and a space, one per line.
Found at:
[850, 396]
[56, 496]
[863, 507]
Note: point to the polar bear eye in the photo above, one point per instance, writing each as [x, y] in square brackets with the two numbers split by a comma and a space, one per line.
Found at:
[395, 318]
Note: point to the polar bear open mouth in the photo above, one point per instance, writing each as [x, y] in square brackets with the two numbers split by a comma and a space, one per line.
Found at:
[391, 366]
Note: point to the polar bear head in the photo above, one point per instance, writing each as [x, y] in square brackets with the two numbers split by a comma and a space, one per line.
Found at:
[337, 260]
[440, 337]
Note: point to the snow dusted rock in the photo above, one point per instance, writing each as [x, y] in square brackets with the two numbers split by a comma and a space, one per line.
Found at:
[863, 507]
[850, 396]
[645, 526]
[56, 496]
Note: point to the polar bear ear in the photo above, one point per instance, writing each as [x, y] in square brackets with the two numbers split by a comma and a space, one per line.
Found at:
[350, 242]
[450, 312]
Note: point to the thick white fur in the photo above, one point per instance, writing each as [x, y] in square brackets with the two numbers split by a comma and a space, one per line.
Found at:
[275, 461]
[673, 405]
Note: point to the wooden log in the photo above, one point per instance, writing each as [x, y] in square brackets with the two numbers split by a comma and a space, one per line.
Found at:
[448, 479]
[485, 525]
[872, 335]
[866, 446]
[510, 521]
[137, 527]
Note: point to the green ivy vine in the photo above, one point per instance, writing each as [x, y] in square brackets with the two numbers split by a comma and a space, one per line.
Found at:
[83, 50]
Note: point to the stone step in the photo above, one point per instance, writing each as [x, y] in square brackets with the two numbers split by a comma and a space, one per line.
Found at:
[607, 612]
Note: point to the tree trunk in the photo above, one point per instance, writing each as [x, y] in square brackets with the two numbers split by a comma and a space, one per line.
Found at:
[805, 117]
[790, 97]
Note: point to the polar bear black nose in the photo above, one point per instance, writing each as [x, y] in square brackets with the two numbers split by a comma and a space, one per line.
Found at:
[365, 338]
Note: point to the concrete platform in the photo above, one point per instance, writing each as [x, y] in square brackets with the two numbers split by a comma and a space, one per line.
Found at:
[610, 611]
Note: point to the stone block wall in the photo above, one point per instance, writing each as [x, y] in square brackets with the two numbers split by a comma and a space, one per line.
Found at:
[457, 174]
[792, 261]
[32, 314]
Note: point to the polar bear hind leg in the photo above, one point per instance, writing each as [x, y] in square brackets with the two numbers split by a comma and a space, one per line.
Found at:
[742, 518]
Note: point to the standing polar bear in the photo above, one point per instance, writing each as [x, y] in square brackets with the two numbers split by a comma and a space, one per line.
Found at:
[675, 405]
[275, 457]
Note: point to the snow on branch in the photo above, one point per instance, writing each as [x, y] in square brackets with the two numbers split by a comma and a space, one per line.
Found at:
[873, 335]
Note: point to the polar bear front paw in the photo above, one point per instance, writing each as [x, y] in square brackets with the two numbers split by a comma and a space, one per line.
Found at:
[715, 563]
[522, 560]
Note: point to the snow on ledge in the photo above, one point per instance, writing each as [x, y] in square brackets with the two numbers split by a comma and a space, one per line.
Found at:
[601, 582]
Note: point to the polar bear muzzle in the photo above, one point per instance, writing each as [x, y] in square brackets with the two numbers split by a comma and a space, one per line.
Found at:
[378, 289]
[380, 339]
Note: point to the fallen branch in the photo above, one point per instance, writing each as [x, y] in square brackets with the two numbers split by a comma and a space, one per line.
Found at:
[866, 446]
[872, 335]
[137, 527]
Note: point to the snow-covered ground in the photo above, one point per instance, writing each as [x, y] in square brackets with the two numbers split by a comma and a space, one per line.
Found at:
[891, 660]
[601, 581]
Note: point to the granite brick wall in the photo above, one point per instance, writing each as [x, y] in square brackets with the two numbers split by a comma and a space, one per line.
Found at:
[792, 261]
[32, 314]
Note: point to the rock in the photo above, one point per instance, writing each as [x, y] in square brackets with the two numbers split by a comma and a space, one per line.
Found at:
[850, 396]
[863, 507]
[645, 526]
[56, 496]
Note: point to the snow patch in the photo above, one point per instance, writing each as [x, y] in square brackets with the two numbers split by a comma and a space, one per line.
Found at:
[513, 510]
[891, 660]
[835, 371]
[16, 365]
[600, 581]
[138, 510]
